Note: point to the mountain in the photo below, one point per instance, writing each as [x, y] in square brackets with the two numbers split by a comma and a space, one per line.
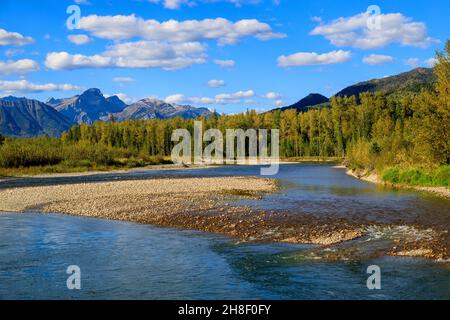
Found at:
[307, 102]
[116, 102]
[412, 81]
[156, 109]
[88, 107]
[21, 117]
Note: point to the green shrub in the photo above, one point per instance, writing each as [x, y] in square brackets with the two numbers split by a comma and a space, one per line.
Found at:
[17, 153]
[418, 177]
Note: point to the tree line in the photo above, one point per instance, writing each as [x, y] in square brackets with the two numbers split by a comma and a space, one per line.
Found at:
[371, 131]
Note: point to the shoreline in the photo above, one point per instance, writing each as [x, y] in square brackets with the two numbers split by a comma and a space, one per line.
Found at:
[207, 204]
[97, 172]
[372, 177]
[286, 161]
[188, 203]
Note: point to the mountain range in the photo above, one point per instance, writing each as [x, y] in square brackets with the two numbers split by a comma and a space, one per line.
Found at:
[22, 117]
[156, 109]
[411, 81]
[88, 107]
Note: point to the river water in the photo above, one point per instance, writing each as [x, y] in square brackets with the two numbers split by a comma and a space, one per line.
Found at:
[120, 260]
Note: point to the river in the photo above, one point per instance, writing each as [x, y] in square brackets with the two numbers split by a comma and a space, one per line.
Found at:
[120, 260]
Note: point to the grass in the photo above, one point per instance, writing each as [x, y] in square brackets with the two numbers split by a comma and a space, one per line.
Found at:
[68, 166]
[439, 177]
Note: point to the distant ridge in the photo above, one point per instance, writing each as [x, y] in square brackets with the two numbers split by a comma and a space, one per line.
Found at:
[411, 81]
[22, 117]
[306, 103]
[157, 109]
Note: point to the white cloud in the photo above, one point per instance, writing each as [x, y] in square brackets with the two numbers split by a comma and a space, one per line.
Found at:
[140, 54]
[121, 27]
[312, 58]
[123, 79]
[66, 61]
[225, 63]
[176, 4]
[79, 39]
[168, 45]
[150, 54]
[125, 98]
[377, 59]
[272, 95]
[393, 28]
[18, 67]
[236, 95]
[26, 86]
[216, 83]
[13, 38]
[182, 99]
[223, 99]
[176, 99]
[412, 62]
[431, 62]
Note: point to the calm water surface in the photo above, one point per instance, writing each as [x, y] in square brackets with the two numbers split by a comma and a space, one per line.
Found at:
[124, 260]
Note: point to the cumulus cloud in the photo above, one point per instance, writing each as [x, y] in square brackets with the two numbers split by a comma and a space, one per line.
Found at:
[272, 95]
[79, 39]
[354, 31]
[65, 61]
[216, 83]
[140, 54]
[18, 67]
[13, 38]
[313, 58]
[122, 27]
[225, 63]
[377, 59]
[169, 45]
[151, 54]
[223, 98]
[236, 95]
[25, 86]
[182, 99]
[176, 99]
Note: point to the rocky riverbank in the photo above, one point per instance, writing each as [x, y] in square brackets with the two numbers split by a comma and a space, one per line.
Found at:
[193, 203]
[204, 204]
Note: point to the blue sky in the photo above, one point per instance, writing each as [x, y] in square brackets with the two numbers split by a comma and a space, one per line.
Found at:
[260, 53]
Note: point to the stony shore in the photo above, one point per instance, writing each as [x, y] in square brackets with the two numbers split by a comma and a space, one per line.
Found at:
[191, 203]
[204, 204]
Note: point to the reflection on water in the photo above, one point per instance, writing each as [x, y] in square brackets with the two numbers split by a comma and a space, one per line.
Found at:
[124, 260]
